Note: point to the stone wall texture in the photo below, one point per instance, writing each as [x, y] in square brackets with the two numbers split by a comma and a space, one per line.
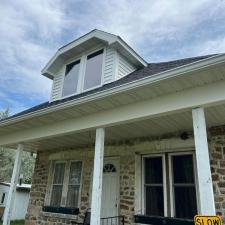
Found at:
[35, 215]
[217, 160]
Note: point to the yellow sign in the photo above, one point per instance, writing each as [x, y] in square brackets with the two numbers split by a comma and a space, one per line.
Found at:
[208, 220]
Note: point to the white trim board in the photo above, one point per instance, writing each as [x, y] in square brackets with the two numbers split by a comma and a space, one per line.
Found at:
[164, 105]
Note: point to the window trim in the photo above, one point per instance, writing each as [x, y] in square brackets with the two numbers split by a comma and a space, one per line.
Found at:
[164, 181]
[85, 65]
[65, 182]
[171, 188]
[64, 76]
[82, 69]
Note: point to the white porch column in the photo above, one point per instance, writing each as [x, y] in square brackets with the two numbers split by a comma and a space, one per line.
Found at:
[204, 180]
[12, 189]
[97, 177]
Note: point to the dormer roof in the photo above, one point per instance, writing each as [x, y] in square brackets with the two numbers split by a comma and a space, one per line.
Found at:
[95, 37]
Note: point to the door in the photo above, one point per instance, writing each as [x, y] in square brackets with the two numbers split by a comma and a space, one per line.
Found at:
[110, 188]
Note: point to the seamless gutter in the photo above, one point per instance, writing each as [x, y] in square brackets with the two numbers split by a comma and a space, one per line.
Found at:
[178, 71]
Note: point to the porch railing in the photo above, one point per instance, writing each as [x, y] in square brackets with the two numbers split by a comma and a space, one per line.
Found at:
[116, 220]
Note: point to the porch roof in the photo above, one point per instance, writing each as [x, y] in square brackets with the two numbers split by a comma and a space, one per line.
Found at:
[151, 106]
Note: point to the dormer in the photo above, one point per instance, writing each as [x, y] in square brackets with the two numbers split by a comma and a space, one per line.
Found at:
[88, 62]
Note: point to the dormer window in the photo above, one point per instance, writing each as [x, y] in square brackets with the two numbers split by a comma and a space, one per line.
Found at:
[71, 78]
[93, 72]
[83, 74]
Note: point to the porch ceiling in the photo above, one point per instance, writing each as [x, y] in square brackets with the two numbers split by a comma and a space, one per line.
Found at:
[167, 125]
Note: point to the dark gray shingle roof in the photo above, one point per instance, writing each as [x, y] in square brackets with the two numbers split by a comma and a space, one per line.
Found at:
[150, 70]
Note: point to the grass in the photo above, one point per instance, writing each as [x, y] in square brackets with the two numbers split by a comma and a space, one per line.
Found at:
[16, 222]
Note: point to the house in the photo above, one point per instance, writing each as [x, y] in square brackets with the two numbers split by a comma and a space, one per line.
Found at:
[126, 138]
[20, 203]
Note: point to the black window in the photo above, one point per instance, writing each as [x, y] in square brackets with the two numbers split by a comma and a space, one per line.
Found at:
[166, 174]
[184, 186]
[154, 197]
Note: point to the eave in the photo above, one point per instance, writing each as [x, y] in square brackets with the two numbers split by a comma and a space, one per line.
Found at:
[157, 78]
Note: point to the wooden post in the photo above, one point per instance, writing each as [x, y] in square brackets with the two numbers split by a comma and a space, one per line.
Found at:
[204, 179]
[97, 177]
[12, 189]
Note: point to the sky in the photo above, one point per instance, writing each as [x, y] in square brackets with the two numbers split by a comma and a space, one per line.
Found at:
[159, 30]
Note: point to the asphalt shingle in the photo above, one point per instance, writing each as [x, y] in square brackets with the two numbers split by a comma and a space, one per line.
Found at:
[150, 70]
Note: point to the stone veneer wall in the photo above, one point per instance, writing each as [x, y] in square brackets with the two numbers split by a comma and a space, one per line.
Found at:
[217, 160]
[35, 215]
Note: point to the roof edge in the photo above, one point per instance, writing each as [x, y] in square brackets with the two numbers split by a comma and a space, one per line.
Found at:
[108, 37]
[175, 72]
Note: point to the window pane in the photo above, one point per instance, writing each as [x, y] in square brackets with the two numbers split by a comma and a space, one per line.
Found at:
[183, 169]
[154, 201]
[59, 173]
[75, 173]
[56, 195]
[185, 202]
[153, 170]
[72, 196]
[93, 71]
[71, 78]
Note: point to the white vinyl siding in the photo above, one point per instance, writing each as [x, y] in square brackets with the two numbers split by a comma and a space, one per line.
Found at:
[57, 85]
[124, 67]
[115, 66]
[108, 75]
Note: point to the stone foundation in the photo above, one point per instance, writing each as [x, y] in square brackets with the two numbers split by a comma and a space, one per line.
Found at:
[126, 153]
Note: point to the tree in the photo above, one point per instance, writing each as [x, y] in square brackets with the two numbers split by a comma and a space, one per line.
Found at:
[7, 157]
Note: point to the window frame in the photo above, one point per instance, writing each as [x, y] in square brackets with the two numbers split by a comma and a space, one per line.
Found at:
[65, 182]
[64, 76]
[81, 75]
[53, 174]
[171, 182]
[164, 181]
[85, 66]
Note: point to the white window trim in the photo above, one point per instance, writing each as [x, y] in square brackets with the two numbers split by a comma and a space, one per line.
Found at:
[164, 180]
[64, 75]
[82, 69]
[65, 181]
[172, 204]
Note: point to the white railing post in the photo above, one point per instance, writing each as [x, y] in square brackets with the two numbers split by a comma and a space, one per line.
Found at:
[204, 179]
[12, 189]
[97, 177]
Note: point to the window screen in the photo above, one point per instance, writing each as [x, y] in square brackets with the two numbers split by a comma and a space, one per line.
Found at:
[184, 186]
[71, 78]
[154, 197]
[57, 185]
[74, 184]
[93, 71]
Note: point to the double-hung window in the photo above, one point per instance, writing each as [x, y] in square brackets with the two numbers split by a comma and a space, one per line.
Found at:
[93, 71]
[71, 78]
[168, 185]
[154, 185]
[66, 184]
[183, 186]
[83, 74]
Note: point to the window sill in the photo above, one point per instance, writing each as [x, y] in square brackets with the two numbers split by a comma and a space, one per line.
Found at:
[59, 215]
[160, 220]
